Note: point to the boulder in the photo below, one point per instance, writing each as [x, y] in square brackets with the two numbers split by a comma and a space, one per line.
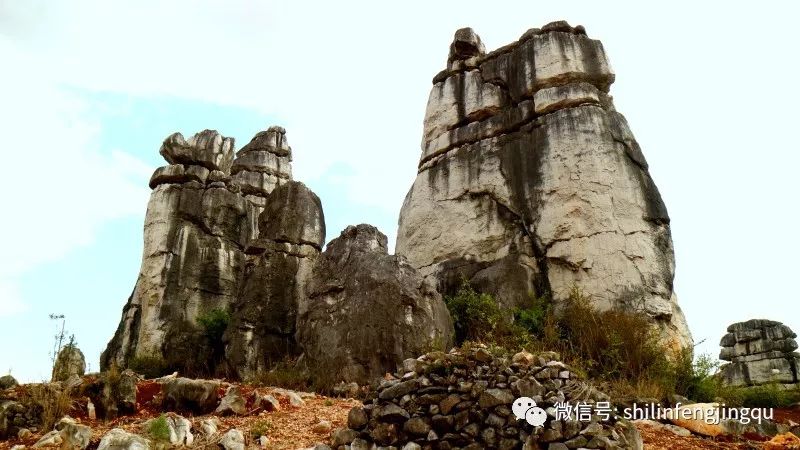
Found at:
[232, 402]
[267, 402]
[70, 361]
[367, 310]
[275, 278]
[14, 417]
[113, 394]
[119, 439]
[51, 439]
[699, 418]
[232, 440]
[74, 436]
[196, 396]
[207, 148]
[7, 381]
[530, 181]
[209, 426]
[759, 351]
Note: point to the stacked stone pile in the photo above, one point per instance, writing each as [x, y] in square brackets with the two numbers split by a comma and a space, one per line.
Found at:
[760, 351]
[463, 399]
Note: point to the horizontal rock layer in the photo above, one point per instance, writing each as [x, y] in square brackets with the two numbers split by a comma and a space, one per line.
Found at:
[199, 222]
[529, 174]
[760, 351]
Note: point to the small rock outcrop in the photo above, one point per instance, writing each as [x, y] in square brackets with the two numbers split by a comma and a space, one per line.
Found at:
[464, 399]
[759, 351]
[113, 394]
[185, 394]
[531, 181]
[273, 292]
[7, 381]
[70, 361]
[368, 310]
[119, 439]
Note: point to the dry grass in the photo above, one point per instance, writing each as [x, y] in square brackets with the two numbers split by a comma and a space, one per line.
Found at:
[52, 402]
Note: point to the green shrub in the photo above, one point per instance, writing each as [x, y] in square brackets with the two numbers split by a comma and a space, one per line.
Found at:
[475, 315]
[695, 379]
[158, 429]
[478, 317]
[149, 366]
[260, 428]
[533, 319]
[771, 395]
[214, 324]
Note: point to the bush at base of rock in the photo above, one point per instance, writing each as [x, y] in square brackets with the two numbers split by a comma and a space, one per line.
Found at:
[464, 399]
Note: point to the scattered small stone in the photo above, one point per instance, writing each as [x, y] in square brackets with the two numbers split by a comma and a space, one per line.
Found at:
[232, 402]
[119, 439]
[210, 426]
[50, 439]
[343, 436]
[357, 418]
[24, 433]
[322, 427]
[232, 440]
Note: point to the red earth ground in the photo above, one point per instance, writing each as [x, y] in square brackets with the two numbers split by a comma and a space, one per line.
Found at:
[291, 427]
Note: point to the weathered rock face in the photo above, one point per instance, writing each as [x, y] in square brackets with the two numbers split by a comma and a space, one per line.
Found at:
[273, 292]
[263, 163]
[70, 361]
[202, 214]
[368, 310]
[760, 351]
[530, 181]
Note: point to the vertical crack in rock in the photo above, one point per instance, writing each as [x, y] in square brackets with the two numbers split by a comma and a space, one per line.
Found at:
[538, 135]
[201, 217]
[273, 290]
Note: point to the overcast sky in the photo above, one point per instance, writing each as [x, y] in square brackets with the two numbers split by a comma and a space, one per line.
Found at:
[89, 89]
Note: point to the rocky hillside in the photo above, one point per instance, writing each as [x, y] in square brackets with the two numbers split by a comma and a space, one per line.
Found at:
[466, 398]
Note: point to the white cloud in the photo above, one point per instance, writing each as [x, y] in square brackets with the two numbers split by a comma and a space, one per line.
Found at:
[706, 95]
[10, 299]
[59, 187]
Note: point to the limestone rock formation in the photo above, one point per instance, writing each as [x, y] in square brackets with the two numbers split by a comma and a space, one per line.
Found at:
[368, 310]
[273, 292]
[530, 181]
[70, 361]
[760, 351]
[263, 163]
[203, 212]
